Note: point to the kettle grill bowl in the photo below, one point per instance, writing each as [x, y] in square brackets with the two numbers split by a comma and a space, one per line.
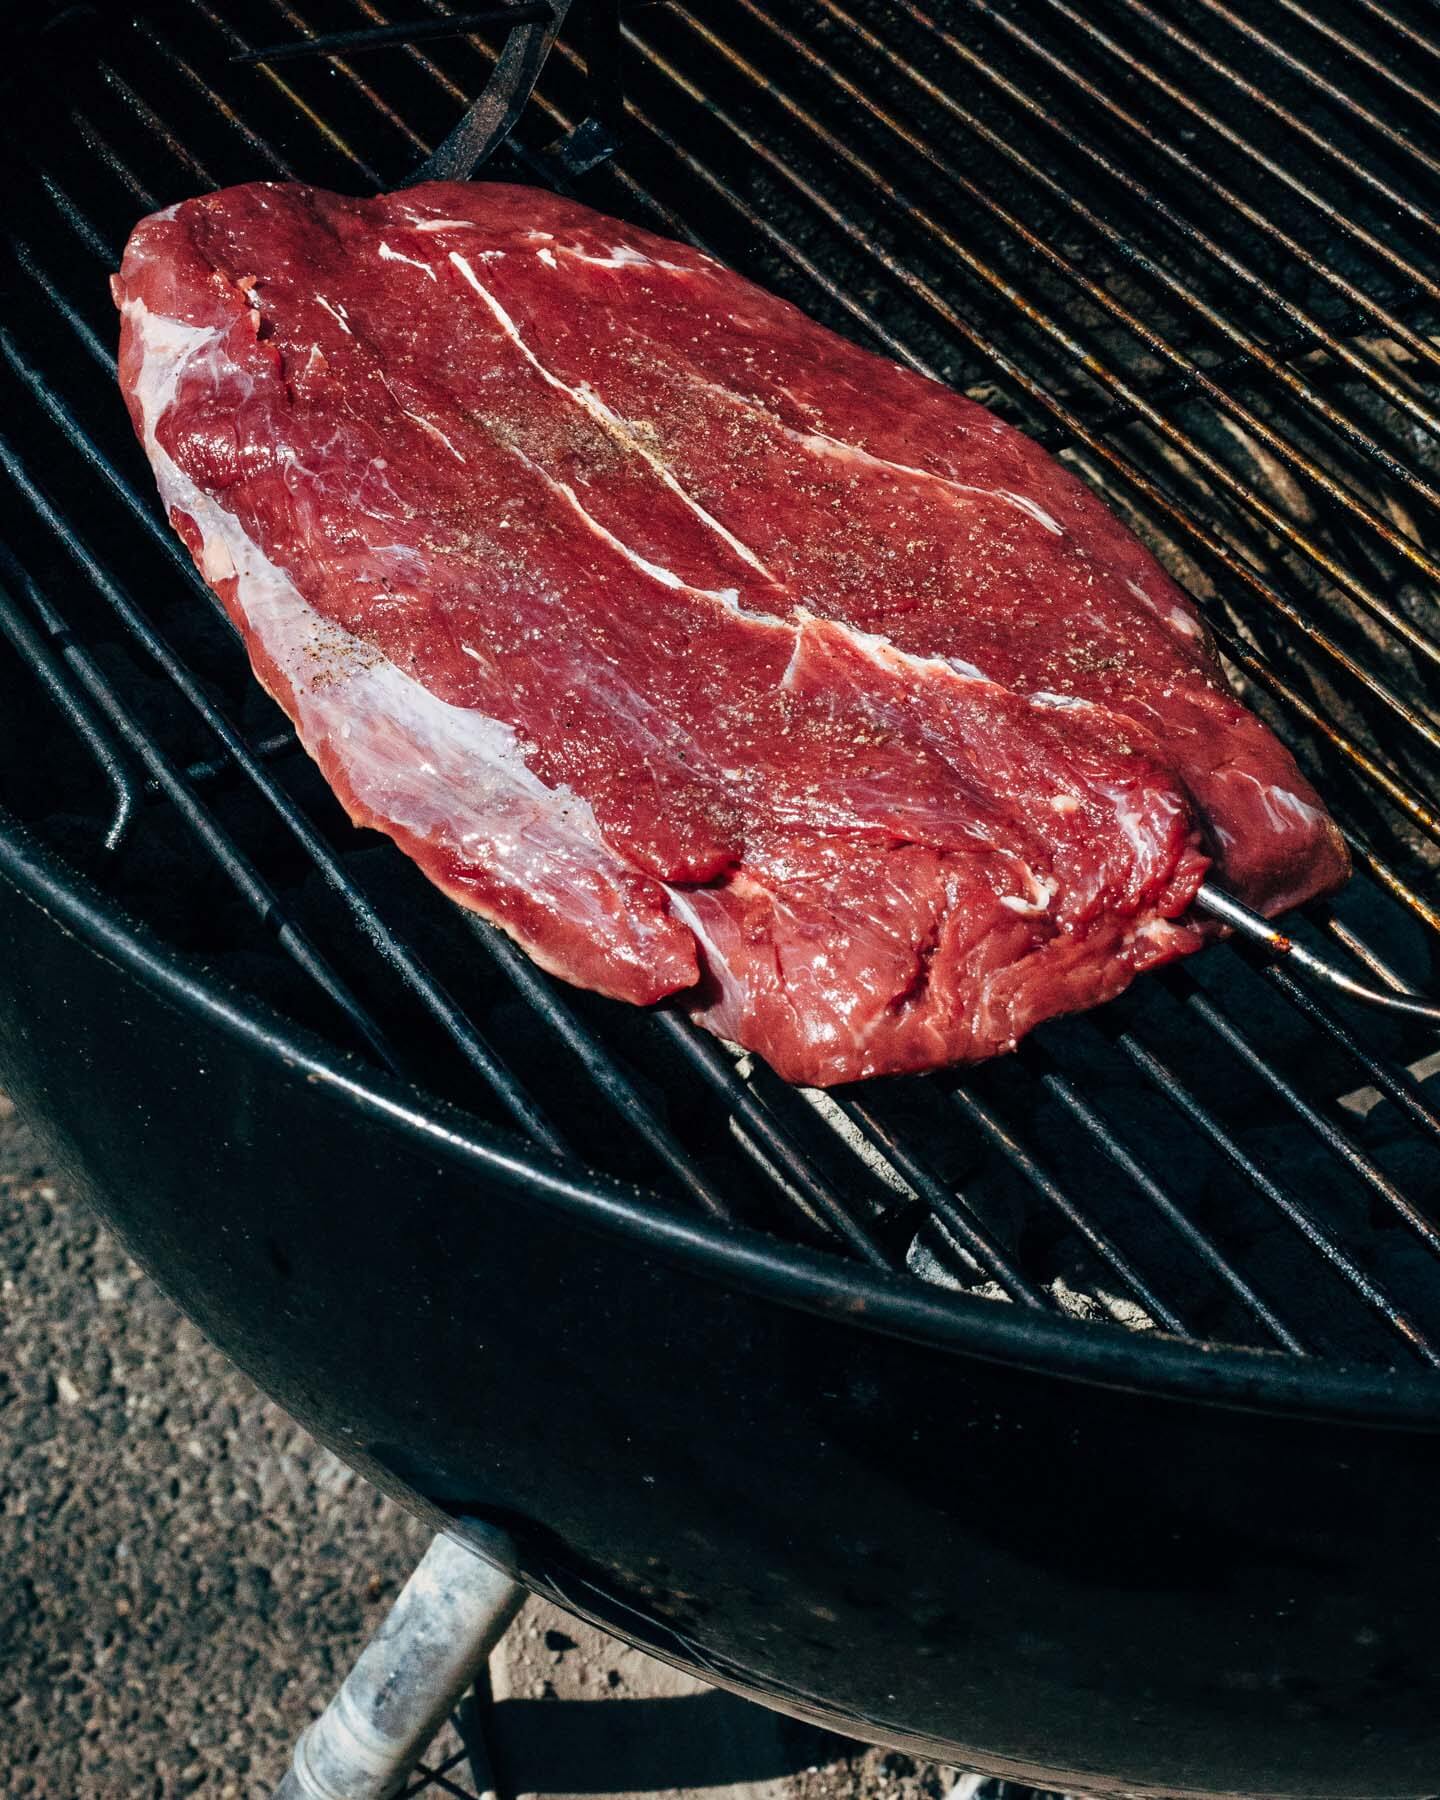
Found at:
[1046, 1552]
[1093, 1559]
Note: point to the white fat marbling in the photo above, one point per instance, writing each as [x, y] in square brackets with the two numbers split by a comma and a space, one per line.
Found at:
[389, 255]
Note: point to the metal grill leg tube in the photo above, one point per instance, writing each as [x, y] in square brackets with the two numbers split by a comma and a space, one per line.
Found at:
[448, 1617]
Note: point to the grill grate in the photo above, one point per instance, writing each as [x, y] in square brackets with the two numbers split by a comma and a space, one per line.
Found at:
[1191, 257]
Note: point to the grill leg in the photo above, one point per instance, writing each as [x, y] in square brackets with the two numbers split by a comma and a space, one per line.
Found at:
[435, 1640]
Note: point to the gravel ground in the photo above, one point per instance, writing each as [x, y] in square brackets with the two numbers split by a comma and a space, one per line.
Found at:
[185, 1575]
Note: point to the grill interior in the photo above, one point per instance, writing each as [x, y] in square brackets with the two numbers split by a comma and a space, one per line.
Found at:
[1188, 248]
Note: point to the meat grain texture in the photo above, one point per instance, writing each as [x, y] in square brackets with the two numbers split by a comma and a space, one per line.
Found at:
[705, 652]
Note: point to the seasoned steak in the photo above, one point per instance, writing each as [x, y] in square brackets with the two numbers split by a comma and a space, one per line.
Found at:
[704, 652]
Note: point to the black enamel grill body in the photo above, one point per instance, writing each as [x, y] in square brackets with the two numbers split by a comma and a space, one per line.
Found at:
[1077, 1419]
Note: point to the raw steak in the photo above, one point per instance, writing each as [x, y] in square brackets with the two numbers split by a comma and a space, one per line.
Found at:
[704, 652]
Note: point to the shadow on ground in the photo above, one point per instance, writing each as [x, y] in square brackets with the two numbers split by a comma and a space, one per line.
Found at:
[648, 1746]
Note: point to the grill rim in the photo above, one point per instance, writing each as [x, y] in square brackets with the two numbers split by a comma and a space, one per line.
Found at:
[1226, 1376]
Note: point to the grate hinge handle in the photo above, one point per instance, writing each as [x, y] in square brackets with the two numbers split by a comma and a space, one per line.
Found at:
[492, 117]
[1254, 926]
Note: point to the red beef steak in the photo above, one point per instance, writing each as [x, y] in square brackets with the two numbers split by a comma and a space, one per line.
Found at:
[704, 652]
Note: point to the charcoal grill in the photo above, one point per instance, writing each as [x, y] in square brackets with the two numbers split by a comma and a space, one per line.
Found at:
[1074, 1418]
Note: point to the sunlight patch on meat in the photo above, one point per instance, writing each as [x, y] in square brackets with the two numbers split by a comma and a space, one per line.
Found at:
[337, 313]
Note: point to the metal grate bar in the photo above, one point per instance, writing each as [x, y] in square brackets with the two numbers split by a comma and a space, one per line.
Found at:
[266, 749]
[1389, 878]
[261, 147]
[356, 81]
[107, 156]
[1330, 1134]
[543, 997]
[83, 228]
[1376, 11]
[1321, 1013]
[1238, 490]
[289, 93]
[709, 1062]
[950, 1208]
[1198, 1240]
[1322, 1241]
[1310, 330]
[143, 110]
[1334, 95]
[765, 231]
[1395, 1084]
[1419, 279]
[1325, 916]
[1365, 304]
[523, 12]
[995, 1133]
[84, 720]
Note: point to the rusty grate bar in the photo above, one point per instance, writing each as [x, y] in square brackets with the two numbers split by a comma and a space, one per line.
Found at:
[1197, 379]
[1310, 332]
[1088, 359]
[1334, 95]
[1234, 565]
[1421, 280]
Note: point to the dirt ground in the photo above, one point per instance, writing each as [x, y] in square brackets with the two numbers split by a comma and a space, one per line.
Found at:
[185, 1576]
